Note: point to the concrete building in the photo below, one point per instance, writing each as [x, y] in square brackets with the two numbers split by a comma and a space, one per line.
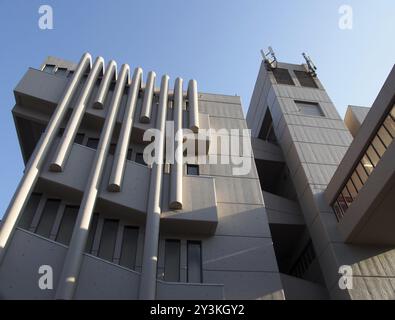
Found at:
[110, 226]
[327, 184]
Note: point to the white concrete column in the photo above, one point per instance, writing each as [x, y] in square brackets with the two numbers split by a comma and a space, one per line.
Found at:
[67, 139]
[176, 171]
[73, 260]
[150, 254]
[121, 151]
[32, 170]
[110, 75]
[145, 116]
[193, 106]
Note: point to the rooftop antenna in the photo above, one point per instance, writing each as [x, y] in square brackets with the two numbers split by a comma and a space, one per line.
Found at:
[269, 58]
[310, 65]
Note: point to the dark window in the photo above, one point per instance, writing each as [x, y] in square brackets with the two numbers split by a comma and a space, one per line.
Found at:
[48, 218]
[194, 261]
[49, 68]
[108, 239]
[172, 260]
[309, 108]
[30, 211]
[61, 72]
[267, 131]
[140, 159]
[92, 232]
[129, 154]
[92, 143]
[70, 74]
[129, 247]
[79, 138]
[67, 224]
[282, 76]
[113, 146]
[60, 132]
[305, 79]
[192, 170]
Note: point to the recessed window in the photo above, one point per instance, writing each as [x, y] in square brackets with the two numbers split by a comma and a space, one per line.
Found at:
[79, 138]
[70, 74]
[267, 131]
[305, 79]
[172, 260]
[49, 68]
[92, 143]
[67, 225]
[194, 260]
[140, 158]
[48, 218]
[129, 247]
[309, 108]
[282, 76]
[30, 211]
[61, 72]
[92, 232]
[192, 170]
[129, 154]
[108, 239]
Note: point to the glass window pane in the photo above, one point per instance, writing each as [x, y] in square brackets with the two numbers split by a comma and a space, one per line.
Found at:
[129, 247]
[356, 181]
[351, 189]
[92, 143]
[338, 210]
[309, 108]
[67, 225]
[390, 125]
[282, 76]
[172, 260]
[113, 146]
[47, 218]
[29, 212]
[384, 136]
[373, 156]
[347, 197]
[79, 138]
[378, 146]
[61, 71]
[192, 170]
[108, 239]
[342, 203]
[368, 166]
[92, 232]
[305, 79]
[362, 173]
[194, 262]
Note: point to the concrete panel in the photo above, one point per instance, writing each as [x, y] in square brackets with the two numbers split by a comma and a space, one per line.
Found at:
[19, 271]
[238, 190]
[100, 279]
[228, 253]
[247, 285]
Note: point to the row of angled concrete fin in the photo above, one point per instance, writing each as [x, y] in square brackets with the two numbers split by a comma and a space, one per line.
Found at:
[73, 260]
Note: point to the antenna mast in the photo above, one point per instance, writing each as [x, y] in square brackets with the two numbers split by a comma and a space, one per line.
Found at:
[269, 58]
[310, 65]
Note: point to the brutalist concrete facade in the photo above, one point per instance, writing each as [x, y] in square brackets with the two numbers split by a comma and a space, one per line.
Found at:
[291, 110]
[112, 227]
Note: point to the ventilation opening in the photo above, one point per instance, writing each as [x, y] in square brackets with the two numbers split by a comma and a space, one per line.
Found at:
[305, 79]
[282, 76]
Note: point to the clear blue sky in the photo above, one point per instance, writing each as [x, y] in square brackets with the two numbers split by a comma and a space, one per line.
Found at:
[216, 42]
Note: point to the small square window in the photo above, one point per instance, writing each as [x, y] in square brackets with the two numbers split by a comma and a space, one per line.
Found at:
[309, 108]
[79, 138]
[192, 170]
[129, 154]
